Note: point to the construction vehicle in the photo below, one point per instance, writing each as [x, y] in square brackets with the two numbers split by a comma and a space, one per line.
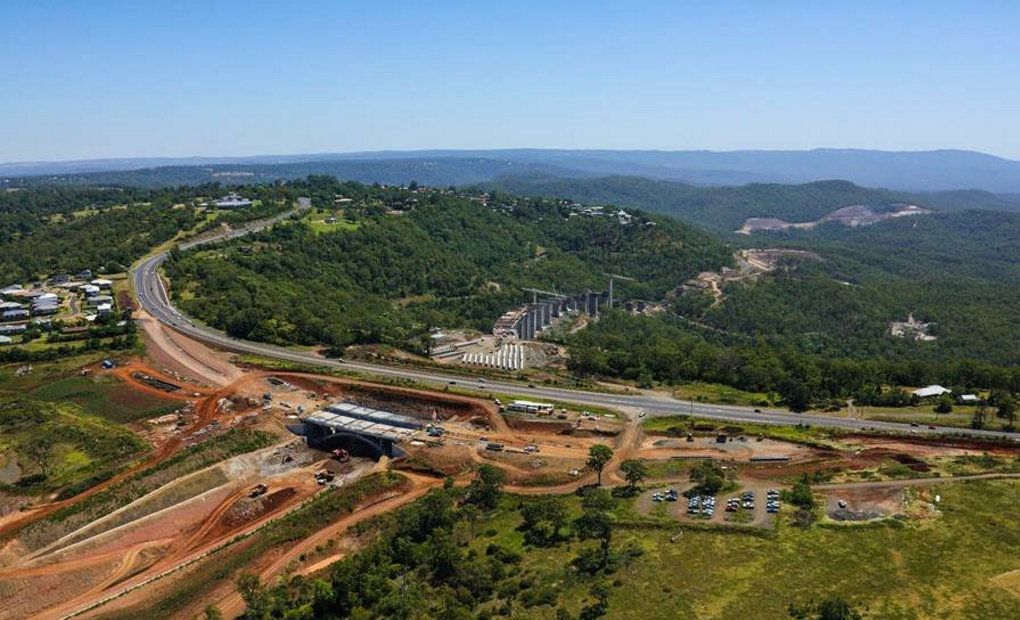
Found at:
[434, 431]
[257, 490]
[340, 455]
[324, 476]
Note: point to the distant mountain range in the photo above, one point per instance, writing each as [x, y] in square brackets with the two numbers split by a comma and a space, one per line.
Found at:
[725, 209]
[925, 171]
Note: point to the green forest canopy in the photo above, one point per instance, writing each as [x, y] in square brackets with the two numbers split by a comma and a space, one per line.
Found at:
[419, 260]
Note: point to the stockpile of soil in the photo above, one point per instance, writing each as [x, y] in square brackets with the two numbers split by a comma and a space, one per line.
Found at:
[915, 464]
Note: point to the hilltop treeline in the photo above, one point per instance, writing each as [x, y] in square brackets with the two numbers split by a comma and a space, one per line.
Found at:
[47, 230]
[667, 349]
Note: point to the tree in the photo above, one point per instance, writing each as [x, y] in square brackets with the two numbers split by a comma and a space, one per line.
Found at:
[708, 477]
[800, 495]
[485, 489]
[795, 394]
[1006, 409]
[543, 519]
[598, 608]
[978, 420]
[596, 522]
[829, 609]
[837, 609]
[213, 613]
[598, 457]
[250, 588]
[945, 404]
[634, 471]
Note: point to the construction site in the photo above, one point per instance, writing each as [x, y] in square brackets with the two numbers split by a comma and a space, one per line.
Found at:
[513, 344]
[162, 523]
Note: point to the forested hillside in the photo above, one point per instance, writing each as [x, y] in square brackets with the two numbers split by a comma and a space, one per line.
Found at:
[820, 329]
[48, 230]
[404, 261]
[958, 271]
[724, 209]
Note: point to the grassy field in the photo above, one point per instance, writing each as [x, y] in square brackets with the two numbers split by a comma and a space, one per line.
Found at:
[938, 568]
[107, 397]
[806, 434]
[718, 393]
[60, 445]
[104, 396]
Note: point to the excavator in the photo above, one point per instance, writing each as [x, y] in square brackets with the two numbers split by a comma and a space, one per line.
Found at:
[340, 455]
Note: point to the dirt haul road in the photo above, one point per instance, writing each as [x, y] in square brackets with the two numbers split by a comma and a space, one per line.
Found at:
[233, 606]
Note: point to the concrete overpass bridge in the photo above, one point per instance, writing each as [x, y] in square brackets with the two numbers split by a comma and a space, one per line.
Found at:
[362, 431]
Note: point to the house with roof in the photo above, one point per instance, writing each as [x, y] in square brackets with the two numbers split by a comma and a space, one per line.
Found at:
[18, 314]
[232, 201]
[931, 391]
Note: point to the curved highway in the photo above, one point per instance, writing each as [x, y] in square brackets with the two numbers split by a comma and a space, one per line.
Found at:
[152, 296]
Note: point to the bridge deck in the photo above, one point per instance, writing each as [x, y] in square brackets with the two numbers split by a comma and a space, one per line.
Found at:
[348, 424]
[375, 415]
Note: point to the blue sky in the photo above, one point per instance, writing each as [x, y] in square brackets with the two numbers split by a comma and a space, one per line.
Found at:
[123, 79]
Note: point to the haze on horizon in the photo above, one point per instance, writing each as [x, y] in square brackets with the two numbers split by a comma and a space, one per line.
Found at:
[112, 79]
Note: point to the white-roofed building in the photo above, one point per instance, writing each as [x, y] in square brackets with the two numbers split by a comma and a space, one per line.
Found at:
[102, 283]
[931, 390]
[232, 201]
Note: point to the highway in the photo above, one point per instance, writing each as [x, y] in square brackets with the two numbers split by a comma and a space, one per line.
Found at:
[153, 298]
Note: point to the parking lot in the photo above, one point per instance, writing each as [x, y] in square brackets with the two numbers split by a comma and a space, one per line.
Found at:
[751, 504]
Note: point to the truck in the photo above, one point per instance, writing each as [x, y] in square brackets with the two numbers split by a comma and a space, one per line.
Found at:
[495, 447]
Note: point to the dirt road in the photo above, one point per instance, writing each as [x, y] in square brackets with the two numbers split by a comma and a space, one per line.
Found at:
[232, 605]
